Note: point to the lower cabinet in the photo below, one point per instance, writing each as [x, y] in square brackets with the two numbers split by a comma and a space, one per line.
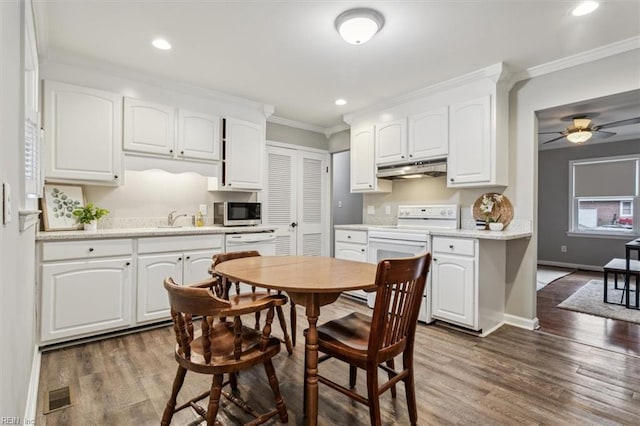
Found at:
[159, 259]
[351, 245]
[468, 282]
[85, 296]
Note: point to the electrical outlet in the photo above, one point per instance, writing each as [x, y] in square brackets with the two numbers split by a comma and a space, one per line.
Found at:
[339, 203]
[371, 210]
[563, 249]
[203, 209]
[6, 203]
[387, 209]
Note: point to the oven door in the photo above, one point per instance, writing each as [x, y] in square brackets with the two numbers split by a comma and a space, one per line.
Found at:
[384, 248]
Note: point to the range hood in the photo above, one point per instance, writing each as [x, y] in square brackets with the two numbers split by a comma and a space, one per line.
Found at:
[433, 168]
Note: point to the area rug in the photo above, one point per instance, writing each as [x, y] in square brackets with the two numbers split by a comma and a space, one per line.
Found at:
[547, 274]
[589, 299]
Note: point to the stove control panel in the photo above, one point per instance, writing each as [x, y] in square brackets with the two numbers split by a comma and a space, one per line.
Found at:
[440, 211]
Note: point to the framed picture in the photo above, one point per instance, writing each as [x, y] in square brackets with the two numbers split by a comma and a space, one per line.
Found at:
[58, 203]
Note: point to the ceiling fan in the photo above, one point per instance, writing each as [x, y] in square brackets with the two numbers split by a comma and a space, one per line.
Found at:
[582, 129]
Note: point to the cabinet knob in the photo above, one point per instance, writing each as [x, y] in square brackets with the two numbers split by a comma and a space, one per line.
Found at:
[128, 263]
[450, 246]
[179, 258]
[402, 156]
[90, 249]
[435, 259]
[410, 155]
[181, 152]
[362, 250]
[348, 236]
[370, 186]
[188, 257]
[170, 151]
[451, 180]
[115, 177]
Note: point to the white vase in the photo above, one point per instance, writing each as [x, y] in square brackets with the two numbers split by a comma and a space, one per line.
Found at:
[91, 226]
[496, 226]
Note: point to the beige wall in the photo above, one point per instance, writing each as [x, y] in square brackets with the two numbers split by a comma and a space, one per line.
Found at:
[340, 141]
[294, 136]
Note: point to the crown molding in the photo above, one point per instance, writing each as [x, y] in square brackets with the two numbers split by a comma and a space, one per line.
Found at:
[326, 131]
[580, 58]
[41, 24]
[336, 129]
[148, 78]
[496, 72]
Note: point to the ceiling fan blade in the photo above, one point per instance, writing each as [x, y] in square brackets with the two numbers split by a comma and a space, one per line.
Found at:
[553, 140]
[601, 134]
[620, 123]
[551, 133]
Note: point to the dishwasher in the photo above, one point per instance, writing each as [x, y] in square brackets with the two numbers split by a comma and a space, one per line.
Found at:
[262, 242]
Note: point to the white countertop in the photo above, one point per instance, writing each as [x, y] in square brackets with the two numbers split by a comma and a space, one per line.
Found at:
[147, 232]
[507, 234]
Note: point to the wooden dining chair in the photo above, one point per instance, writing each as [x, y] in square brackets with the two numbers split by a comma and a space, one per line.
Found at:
[370, 343]
[219, 348]
[224, 290]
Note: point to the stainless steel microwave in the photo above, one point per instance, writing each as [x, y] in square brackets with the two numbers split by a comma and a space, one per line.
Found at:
[234, 213]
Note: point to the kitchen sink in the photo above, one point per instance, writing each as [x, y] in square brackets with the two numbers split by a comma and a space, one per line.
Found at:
[170, 226]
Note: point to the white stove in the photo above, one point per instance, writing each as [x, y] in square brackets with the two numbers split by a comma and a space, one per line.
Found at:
[410, 238]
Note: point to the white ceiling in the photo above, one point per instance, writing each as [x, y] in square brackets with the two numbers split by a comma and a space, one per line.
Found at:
[288, 53]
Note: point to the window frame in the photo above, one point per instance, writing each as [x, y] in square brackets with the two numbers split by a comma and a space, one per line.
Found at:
[574, 202]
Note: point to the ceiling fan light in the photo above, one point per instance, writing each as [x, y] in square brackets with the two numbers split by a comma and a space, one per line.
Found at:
[585, 8]
[580, 136]
[357, 26]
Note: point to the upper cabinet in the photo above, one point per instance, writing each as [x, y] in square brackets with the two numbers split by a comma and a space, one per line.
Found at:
[428, 134]
[391, 142]
[149, 127]
[363, 167]
[83, 134]
[243, 155]
[198, 135]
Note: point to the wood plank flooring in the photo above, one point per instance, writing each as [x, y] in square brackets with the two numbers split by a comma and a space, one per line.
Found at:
[606, 333]
[513, 376]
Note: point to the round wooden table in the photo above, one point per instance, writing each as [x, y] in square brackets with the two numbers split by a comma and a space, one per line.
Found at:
[311, 281]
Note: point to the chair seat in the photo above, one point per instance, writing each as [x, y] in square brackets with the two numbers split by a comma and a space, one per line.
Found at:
[349, 334]
[222, 347]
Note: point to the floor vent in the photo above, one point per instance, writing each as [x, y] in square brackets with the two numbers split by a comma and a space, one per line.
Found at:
[58, 399]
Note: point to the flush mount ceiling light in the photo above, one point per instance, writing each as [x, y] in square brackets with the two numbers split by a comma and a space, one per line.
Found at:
[357, 26]
[161, 44]
[340, 102]
[585, 8]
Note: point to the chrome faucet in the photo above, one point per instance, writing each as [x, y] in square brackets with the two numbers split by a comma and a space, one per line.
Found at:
[171, 219]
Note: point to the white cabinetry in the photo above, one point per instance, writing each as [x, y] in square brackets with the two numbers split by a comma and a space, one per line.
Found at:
[150, 128]
[186, 260]
[391, 142]
[468, 282]
[363, 167]
[352, 245]
[244, 155]
[428, 135]
[86, 288]
[83, 132]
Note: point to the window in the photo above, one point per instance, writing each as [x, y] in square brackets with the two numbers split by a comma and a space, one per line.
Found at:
[604, 193]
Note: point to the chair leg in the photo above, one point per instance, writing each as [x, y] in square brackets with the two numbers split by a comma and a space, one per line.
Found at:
[294, 320]
[171, 404]
[233, 381]
[353, 375]
[409, 387]
[373, 395]
[214, 399]
[283, 326]
[273, 382]
[304, 387]
[257, 326]
[392, 365]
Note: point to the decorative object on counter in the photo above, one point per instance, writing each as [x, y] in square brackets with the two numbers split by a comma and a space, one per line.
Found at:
[58, 204]
[496, 226]
[481, 224]
[493, 208]
[199, 219]
[89, 215]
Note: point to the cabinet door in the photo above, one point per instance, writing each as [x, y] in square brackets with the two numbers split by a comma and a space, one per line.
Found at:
[153, 302]
[197, 264]
[453, 289]
[245, 154]
[351, 251]
[85, 297]
[149, 127]
[470, 156]
[198, 135]
[391, 142]
[83, 132]
[363, 168]
[429, 134]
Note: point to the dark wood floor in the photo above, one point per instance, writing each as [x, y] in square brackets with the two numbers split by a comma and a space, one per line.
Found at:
[606, 333]
[513, 376]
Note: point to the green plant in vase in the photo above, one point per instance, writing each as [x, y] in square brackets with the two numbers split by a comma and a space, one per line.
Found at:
[89, 215]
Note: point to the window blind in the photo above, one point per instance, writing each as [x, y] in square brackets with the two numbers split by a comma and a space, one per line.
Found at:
[613, 178]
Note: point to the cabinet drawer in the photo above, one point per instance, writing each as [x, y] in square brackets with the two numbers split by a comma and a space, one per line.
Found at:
[462, 246]
[359, 237]
[182, 243]
[85, 249]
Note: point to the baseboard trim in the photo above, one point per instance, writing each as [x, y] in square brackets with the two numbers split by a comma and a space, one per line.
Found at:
[34, 382]
[521, 322]
[570, 265]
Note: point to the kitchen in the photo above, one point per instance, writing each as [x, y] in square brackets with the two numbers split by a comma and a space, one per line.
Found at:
[543, 89]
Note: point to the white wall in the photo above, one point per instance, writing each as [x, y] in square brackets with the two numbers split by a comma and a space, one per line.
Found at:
[17, 249]
[614, 74]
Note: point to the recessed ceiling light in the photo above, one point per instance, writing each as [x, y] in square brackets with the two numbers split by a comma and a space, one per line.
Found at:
[161, 44]
[357, 26]
[341, 102]
[585, 8]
